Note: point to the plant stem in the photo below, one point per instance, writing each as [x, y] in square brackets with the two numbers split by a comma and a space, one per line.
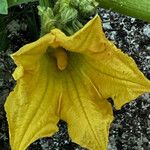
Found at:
[135, 8]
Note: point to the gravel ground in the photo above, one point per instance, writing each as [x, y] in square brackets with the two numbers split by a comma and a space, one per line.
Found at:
[130, 129]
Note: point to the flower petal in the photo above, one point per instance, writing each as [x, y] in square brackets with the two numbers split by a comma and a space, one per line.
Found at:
[114, 73]
[88, 115]
[84, 40]
[27, 57]
[32, 108]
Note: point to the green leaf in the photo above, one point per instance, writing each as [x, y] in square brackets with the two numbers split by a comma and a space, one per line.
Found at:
[136, 8]
[3, 7]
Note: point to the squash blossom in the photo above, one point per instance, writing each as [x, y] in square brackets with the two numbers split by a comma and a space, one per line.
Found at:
[70, 78]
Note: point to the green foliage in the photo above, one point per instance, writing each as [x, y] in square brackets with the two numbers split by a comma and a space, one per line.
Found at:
[67, 15]
[136, 8]
[3, 7]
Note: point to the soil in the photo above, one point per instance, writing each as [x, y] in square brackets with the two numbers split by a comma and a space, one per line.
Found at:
[130, 129]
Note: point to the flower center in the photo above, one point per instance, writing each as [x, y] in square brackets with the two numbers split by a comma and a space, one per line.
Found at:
[61, 57]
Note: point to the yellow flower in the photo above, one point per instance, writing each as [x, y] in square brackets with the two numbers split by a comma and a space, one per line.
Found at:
[70, 78]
